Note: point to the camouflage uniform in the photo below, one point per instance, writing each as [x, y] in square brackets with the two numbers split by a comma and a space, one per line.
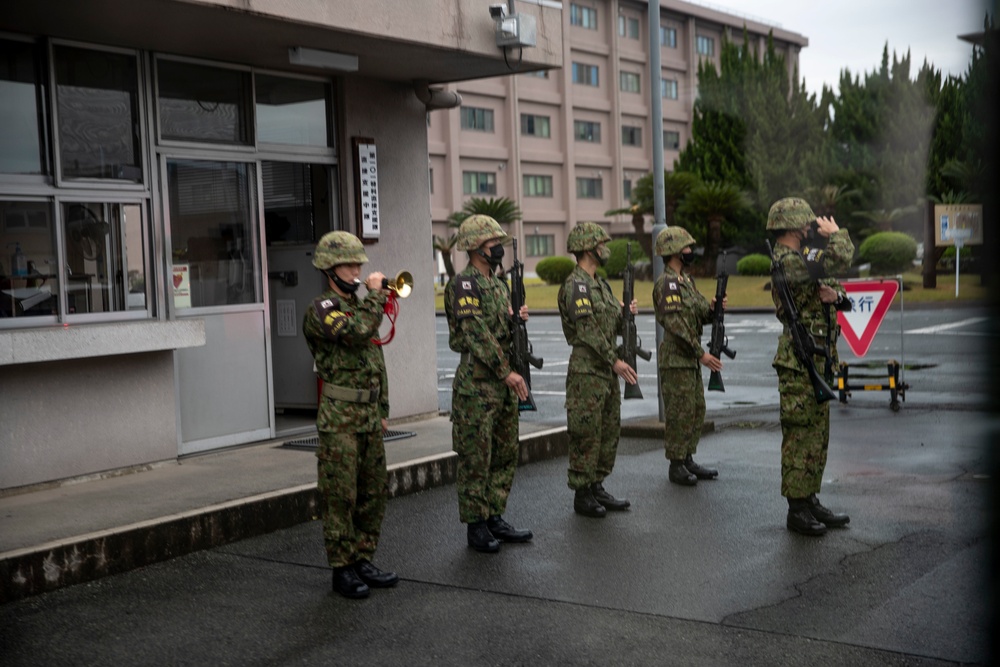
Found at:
[591, 320]
[351, 455]
[682, 312]
[483, 409]
[805, 424]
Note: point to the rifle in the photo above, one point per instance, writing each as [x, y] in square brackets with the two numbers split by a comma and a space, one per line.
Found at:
[631, 343]
[520, 353]
[719, 343]
[802, 341]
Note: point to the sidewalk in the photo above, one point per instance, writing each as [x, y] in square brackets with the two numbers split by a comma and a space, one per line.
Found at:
[85, 530]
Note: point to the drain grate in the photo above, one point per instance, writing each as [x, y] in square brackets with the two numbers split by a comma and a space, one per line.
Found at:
[313, 442]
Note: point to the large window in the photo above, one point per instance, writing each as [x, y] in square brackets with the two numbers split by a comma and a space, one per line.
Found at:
[631, 135]
[540, 245]
[479, 183]
[705, 46]
[537, 186]
[586, 75]
[29, 280]
[583, 17]
[535, 126]
[668, 88]
[296, 197]
[293, 111]
[213, 218]
[97, 104]
[22, 150]
[474, 118]
[203, 103]
[628, 82]
[589, 188]
[628, 27]
[585, 130]
[668, 37]
[671, 140]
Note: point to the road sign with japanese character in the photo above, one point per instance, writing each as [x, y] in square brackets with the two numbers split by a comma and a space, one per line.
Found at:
[870, 299]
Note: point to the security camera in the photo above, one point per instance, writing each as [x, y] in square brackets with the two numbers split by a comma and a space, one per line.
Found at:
[498, 11]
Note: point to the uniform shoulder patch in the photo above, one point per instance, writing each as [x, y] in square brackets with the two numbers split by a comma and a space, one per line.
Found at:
[467, 298]
[670, 299]
[580, 300]
[814, 262]
[332, 317]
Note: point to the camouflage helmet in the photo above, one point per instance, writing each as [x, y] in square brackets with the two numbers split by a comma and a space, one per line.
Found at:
[477, 230]
[672, 240]
[586, 236]
[790, 213]
[338, 248]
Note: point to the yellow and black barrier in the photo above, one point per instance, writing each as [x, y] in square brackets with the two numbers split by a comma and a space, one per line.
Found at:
[889, 382]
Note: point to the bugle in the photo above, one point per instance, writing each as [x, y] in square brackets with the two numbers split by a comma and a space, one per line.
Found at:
[402, 284]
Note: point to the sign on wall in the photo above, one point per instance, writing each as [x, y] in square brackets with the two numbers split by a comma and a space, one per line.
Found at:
[949, 217]
[366, 188]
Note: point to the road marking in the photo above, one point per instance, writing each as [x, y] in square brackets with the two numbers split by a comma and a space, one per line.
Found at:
[938, 328]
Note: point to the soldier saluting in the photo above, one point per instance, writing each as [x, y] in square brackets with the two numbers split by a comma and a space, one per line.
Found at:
[353, 412]
[591, 321]
[805, 422]
[486, 390]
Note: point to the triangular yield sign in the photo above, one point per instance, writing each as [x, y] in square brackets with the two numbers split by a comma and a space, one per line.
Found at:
[870, 299]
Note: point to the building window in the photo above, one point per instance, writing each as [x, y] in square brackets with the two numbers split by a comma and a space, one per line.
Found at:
[538, 74]
[430, 179]
[668, 88]
[474, 118]
[631, 135]
[535, 126]
[668, 37]
[671, 140]
[585, 74]
[540, 245]
[537, 186]
[22, 148]
[293, 111]
[705, 46]
[588, 188]
[628, 82]
[628, 27]
[203, 103]
[585, 130]
[627, 190]
[479, 183]
[97, 99]
[583, 17]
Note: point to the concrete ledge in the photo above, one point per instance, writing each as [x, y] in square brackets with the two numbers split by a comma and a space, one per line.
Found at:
[653, 428]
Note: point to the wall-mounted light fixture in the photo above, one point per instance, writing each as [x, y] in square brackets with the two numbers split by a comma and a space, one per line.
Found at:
[341, 62]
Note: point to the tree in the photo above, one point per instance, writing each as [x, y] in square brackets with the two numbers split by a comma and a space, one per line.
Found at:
[676, 185]
[825, 199]
[884, 219]
[712, 202]
[502, 209]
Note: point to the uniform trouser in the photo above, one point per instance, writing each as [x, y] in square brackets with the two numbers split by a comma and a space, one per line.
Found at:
[683, 409]
[484, 435]
[805, 434]
[593, 423]
[353, 494]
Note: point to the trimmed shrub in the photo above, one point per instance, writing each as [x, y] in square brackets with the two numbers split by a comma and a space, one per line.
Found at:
[754, 265]
[555, 270]
[888, 252]
[619, 248]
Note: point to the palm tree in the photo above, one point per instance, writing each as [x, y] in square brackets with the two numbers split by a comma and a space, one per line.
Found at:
[825, 199]
[713, 202]
[676, 185]
[883, 218]
[501, 209]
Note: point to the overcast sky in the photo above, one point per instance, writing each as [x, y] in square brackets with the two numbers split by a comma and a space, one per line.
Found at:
[852, 33]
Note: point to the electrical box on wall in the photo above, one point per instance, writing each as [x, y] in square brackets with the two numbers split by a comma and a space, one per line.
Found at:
[516, 30]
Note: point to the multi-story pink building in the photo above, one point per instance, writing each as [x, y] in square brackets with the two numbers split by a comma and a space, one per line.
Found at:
[567, 145]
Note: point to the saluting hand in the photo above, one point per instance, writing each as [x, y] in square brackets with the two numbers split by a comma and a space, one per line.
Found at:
[516, 382]
[826, 226]
[625, 372]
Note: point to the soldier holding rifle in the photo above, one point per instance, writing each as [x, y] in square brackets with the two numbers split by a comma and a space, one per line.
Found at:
[591, 321]
[486, 390]
[682, 312]
[802, 291]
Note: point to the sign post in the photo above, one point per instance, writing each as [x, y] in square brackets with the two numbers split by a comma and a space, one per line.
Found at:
[959, 236]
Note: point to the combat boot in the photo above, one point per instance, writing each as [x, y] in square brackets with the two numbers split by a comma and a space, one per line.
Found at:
[586, 504]
[347, 583]
[481, 539]
[681, 475]
[700, 471]
[609, 502]
[801, 520]
[373, 576]
[825, 516]
[505, 532]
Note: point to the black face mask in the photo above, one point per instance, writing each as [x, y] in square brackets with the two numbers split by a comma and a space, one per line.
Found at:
[343, 285]
[494, 257]
[687, 258]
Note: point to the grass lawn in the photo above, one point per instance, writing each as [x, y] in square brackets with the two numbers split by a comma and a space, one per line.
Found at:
[748, 291]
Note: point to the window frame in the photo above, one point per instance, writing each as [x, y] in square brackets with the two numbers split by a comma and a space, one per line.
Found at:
[44, 120]
[671, 33]
[546, 180]
[626, 75]
[583, 181]
[533, 119]
[671, 148]
[489, 118]
[581, 69]
[665, 88]
[491, 179]
[625, 25]
[578, 16]
[706, 41]
[331, 120]
[530, 245]
[593, 136]
[634, 135]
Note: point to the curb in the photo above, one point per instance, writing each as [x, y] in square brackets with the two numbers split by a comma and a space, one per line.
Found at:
[76, 560]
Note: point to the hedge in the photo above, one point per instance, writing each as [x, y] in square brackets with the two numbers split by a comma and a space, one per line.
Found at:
[619, 248]
[555, 270]
[888, 252]
[754, 265]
